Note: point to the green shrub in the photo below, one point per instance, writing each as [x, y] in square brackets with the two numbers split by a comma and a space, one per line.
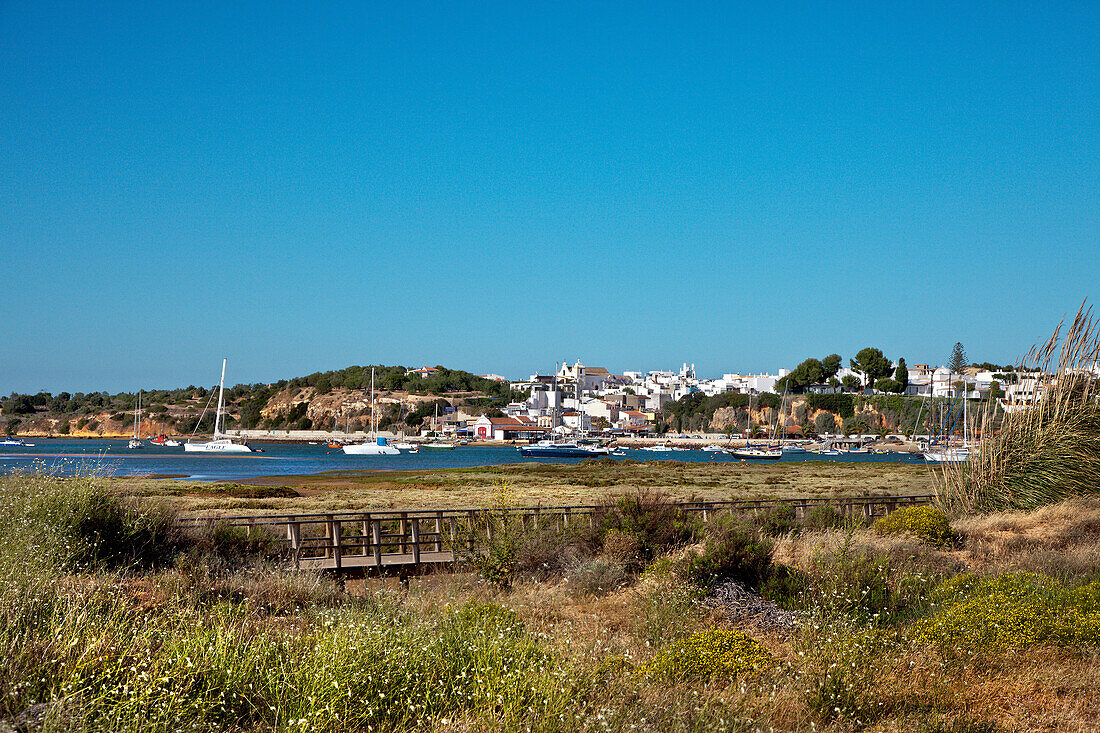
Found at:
[1014, 610]
[732, 550]
[778, 520]
[709, 654]
[923, 522]
[822, 517]
[652, 520]
[596, 577]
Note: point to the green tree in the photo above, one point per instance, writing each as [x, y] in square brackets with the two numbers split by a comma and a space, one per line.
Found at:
[825, 422]
[995, 391]
[871, 364]
[830, 365]
[957, 363]
[902, 374]
[851, 383]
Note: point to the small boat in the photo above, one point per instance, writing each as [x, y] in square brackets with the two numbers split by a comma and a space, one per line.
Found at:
[561, 449]
[405, 446]
[13, 442]
[793, 449]
[375, 446]
[221, 442]
[438, 446]
[659, 448]
[135, 442]
[713, 448]
[769, 453]
[947, 455]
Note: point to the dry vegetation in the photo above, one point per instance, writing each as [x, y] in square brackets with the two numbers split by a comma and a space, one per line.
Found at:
[113, 619]
[533, 484]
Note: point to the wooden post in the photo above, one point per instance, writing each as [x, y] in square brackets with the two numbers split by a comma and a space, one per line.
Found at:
[376, 540]
[366, 534]
[404, 530]
[328, 535]
[416, 540]
[439, 531]
[294, 530]
[472, 517]
[337, 554]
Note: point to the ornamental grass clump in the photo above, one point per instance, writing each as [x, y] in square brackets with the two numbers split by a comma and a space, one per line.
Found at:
[923, 522]
[710, 654]
[1015, 610]
[1045, 450]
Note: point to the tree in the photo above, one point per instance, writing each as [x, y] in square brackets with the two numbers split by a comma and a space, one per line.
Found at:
[851, 383]
[958, 360]
[871, 364]
[888, 385]
[995, 391]
[830, 365]
[902, 375]
[824, 423]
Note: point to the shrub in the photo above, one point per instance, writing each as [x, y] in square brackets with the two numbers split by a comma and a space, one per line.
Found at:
[777, 521]
[822, 517]
[652, 520]
[709, 654]
[622, 548]
[596, 577]
[732, 550]
[1013, 610]
[927, 524]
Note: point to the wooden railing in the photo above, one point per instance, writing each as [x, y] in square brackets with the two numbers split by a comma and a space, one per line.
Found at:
[377, 540]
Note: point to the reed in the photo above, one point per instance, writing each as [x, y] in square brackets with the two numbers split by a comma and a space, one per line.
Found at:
[1043, 453]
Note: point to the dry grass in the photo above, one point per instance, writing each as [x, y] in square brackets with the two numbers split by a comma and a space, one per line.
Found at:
[533, 484]
[1044, 453]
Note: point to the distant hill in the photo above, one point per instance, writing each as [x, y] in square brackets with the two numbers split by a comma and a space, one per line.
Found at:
[317, 401]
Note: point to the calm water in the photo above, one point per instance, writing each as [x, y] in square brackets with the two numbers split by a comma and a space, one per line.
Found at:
[114, 458]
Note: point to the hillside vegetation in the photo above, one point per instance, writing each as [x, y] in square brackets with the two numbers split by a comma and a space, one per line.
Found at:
[316, 401]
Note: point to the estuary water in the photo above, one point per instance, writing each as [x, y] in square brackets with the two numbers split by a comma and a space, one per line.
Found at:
[113, 458]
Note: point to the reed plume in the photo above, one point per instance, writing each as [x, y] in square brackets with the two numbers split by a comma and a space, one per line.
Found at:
[1047, 451]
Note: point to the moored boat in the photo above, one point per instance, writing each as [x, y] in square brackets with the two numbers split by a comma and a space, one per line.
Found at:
[221, 442]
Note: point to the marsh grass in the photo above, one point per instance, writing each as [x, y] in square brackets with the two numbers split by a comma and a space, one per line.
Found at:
[211, 644]
[1047, 452]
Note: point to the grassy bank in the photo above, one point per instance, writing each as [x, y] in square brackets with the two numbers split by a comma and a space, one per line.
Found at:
[533, 484]
[113, 619]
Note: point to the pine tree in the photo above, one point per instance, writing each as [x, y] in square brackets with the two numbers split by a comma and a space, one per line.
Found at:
[902, 374]
[958, 360]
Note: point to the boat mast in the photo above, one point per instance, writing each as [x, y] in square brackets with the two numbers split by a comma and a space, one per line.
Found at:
[221, 402]
[372, 421]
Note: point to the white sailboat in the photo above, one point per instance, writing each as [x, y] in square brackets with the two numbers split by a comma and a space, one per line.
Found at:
[135, 442]
[949, 453]
[221, 443]
[374, 446]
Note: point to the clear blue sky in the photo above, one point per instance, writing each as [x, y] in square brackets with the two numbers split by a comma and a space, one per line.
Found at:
[498, 186]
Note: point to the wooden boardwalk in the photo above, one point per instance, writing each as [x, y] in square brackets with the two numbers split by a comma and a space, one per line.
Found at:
[408, 542]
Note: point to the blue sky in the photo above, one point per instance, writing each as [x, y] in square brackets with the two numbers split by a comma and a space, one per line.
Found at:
[499, 186]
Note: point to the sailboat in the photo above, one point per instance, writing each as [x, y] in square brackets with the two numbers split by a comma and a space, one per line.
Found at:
[756, 452]
[949, 453]
[135, 442]
[374, 446]
[221, 443]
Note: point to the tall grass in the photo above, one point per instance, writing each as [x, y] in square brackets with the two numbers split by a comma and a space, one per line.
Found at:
[1047, 452]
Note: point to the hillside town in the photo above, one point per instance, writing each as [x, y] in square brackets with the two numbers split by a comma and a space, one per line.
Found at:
[584, 399]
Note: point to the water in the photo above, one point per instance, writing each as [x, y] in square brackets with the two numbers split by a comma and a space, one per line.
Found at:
[113, 458]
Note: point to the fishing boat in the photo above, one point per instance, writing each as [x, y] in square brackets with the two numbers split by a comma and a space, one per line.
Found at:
[793, 449]
[561, 449]
[375, 446]
[713, 448]
[16, 442]
[767, 453]
[135, 442]
[221, 442]
[405, 446]
[659, 448]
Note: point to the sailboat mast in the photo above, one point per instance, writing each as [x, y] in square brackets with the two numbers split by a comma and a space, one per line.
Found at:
[221, 401]
[373, 424]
